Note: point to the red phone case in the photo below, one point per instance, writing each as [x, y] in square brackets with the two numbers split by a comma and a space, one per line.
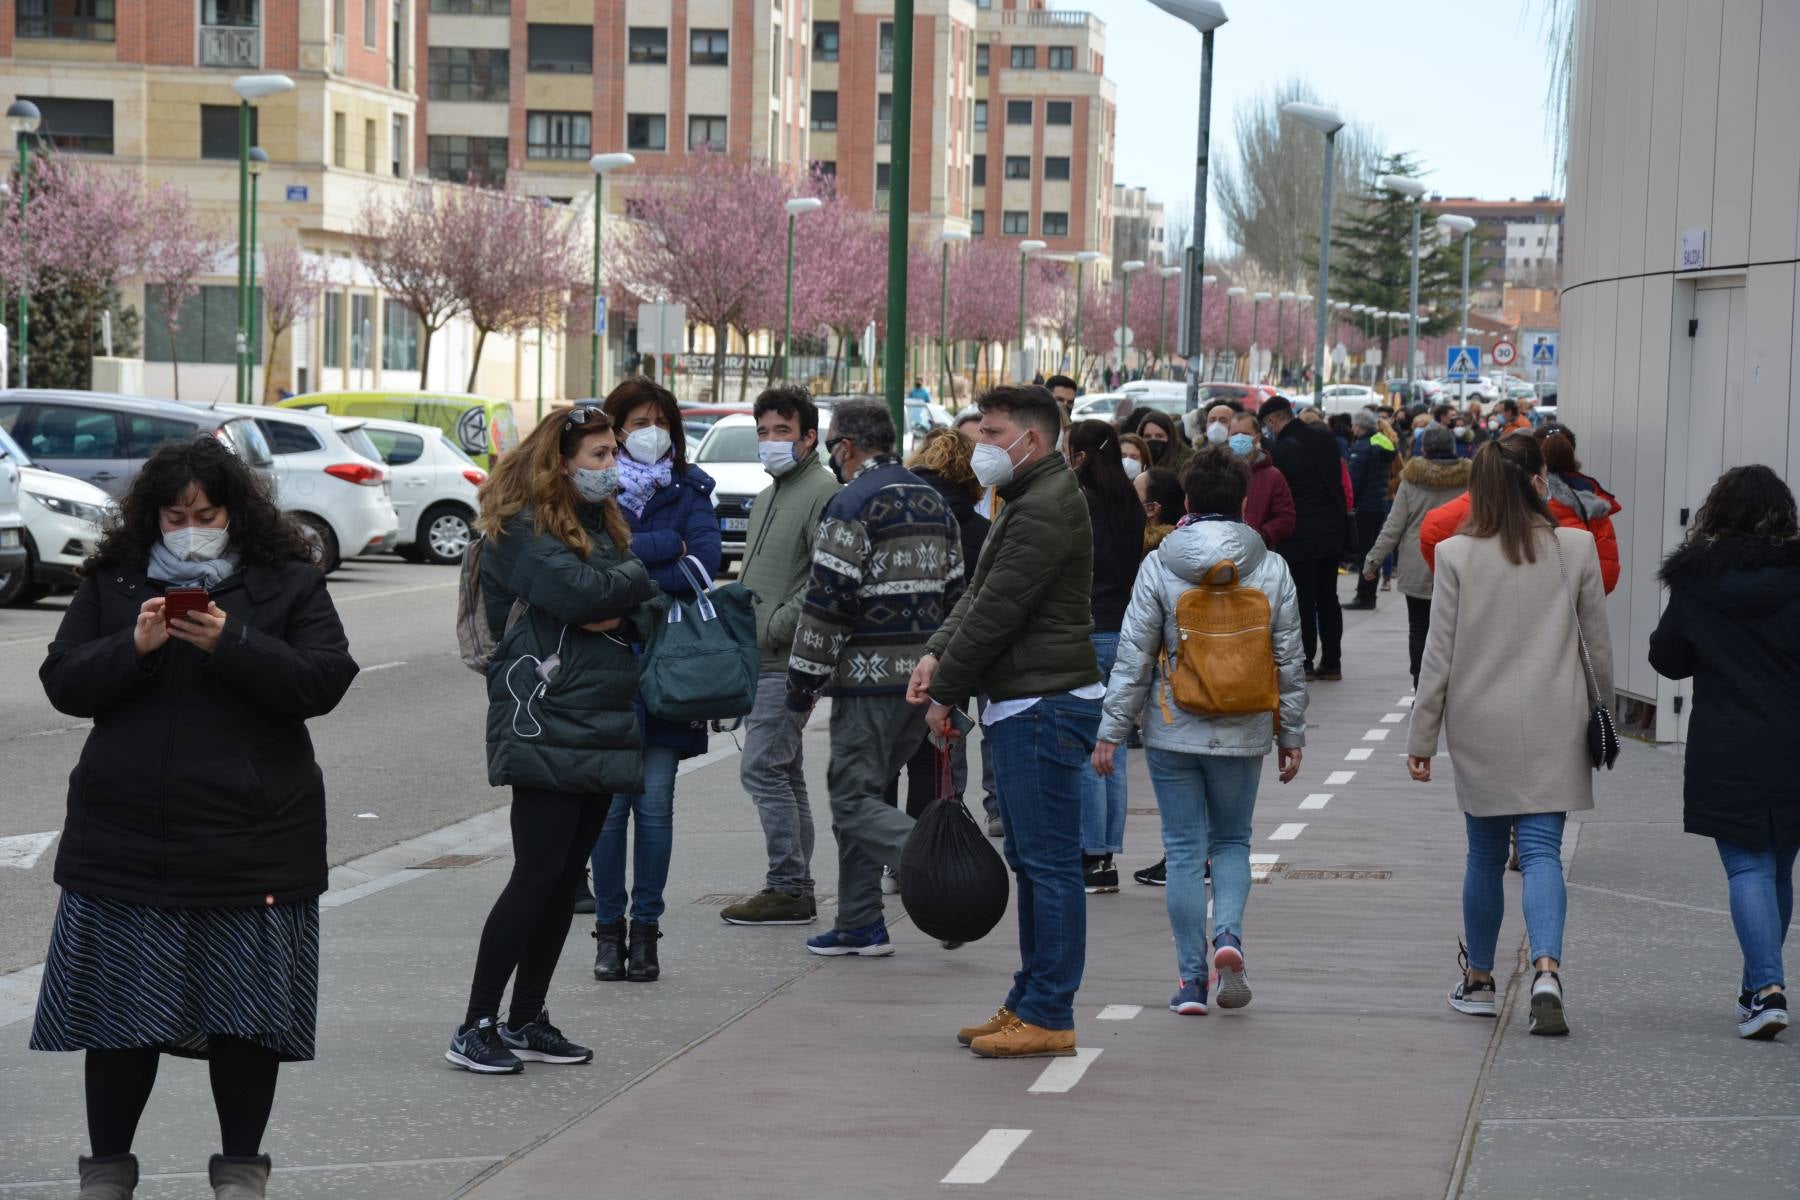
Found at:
[178, 602]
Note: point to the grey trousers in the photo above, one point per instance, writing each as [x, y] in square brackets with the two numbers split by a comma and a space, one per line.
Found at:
[772, 771]
[871, 737]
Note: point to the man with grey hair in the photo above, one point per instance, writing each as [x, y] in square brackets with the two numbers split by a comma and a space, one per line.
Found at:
[1371, 459]
[886, 570]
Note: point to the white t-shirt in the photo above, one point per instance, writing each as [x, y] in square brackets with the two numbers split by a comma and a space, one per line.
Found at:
[993, 714]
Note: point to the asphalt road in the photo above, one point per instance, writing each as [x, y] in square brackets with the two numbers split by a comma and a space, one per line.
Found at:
[402, 754]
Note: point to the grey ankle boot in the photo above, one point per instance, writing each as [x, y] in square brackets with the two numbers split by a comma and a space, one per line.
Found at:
[111, 1178]
[239, 1178]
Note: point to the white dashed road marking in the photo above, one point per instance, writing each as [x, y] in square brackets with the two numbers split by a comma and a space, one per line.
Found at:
[1405, 701]
[1393, 718]
[986, 1157]
[1262, 864]
[1360, 754]
[1316, 800]
[1120, 1012]
[1287, 832]
[1064, 1073]
[1339, 778]
[1376, 735]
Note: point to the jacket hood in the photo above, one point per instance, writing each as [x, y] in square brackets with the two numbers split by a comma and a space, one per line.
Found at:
[1193, 550]
[1588, 502]
[1743, 577]
[1436, 472]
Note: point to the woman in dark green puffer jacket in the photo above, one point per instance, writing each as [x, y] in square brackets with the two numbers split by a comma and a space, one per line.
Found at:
[562, 727]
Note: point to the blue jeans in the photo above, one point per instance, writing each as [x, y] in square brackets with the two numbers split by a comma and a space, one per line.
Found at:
[1038, 756]
[1484, 897]
[654, 811]
[1103, 799]
[1762, 906]
[1206, 802]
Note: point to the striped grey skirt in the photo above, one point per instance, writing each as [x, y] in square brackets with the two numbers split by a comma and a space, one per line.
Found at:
[123, 976]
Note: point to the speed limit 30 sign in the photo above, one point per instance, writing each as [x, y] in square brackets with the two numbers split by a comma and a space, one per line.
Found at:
[1504, 353]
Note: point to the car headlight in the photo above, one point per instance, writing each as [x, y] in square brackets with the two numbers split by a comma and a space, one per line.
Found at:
[93, 514]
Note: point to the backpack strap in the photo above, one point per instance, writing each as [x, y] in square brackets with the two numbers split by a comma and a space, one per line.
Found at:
[1214, 579]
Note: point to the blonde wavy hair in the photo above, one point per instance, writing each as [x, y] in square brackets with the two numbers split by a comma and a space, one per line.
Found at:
[949, 453]
[531, 476]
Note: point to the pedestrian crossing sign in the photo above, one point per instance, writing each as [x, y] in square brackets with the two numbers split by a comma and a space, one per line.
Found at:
[1463, 364]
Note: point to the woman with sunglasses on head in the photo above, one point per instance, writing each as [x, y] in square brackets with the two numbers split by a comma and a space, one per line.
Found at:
[562, 725]
[667, 503]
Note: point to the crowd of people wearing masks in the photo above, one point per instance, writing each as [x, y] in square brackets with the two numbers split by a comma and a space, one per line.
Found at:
[1040, 580]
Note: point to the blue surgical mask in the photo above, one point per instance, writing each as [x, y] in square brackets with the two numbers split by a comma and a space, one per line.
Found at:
[1242, 444]
[596, 485]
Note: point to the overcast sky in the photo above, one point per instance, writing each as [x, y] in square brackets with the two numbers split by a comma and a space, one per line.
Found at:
[1460, 84]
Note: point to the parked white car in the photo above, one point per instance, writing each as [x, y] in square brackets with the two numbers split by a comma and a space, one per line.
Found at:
[1166, 395]
[62, 517]
[434, 487]
[333, 480]
[1096, 406]
[12, 523]
[1348, 398]
[728, 454]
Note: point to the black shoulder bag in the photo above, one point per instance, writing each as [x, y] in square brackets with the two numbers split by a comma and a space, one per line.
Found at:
[1602, 734]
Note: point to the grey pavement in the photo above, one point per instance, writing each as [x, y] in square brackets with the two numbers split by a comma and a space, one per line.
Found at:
[754, 1069]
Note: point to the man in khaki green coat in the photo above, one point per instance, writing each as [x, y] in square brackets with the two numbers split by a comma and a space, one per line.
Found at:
[778, 552]
[1020, 636]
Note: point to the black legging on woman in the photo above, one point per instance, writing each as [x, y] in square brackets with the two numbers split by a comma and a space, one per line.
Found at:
[243, 1086]
[552, 833]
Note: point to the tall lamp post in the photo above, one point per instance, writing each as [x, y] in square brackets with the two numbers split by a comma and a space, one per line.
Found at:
[248, 88]
[1301, 300]
[1232, 296]
[1281, 299]
[1256, 371]
[1027, 248]
[1327, 122]
[259, 162]
[1453, 225]
[600, 164]
[22, 118]
[1205, 16]
[1127, 269]
[946, 237]
[1411, 189]
[1362, 326]
[1162, 315]
[1340, 307]
[1081, 262]
[803, 204]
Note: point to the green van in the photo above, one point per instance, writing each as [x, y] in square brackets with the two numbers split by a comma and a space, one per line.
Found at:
[483, 427]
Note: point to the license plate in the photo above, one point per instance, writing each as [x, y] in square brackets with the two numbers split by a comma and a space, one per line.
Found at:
[10, 538]
[735, 524]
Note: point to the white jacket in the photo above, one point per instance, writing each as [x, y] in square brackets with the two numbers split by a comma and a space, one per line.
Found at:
[1178, 564]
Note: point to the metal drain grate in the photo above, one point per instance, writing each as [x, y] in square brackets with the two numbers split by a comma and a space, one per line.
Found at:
[444, 862]
[725, 899]
[1336, 874]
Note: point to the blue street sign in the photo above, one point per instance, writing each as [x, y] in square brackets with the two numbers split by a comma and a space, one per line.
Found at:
[1543, 354]
[1463, 364]
[600, 315]
[297, 191]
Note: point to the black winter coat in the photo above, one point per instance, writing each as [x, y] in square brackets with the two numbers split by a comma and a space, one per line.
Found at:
[1118, 549]
[1307, 457]
[197, 787]
[1733, 626]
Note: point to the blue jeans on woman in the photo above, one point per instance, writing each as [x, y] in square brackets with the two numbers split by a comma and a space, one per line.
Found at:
[1103, 798]
[1484, 896]
[1762, 907]
[654, 814]
[1206, 801]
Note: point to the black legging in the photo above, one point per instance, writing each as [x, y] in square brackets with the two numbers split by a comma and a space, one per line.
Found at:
[1418, 624]
[1321, 618]
[553, 833]
[243, 1088]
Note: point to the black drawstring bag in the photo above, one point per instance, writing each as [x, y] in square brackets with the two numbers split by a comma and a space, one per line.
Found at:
[952, 881]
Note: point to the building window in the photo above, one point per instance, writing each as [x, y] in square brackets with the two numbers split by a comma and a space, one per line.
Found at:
[1062, 58]
[706, 133]
[459, 159]
[1018, 166]
[558, 135]
[235, 14]
[477, 8]
[1013, 221]
[334, 329]
[825, 168]
[978, 222]
[459, 73]
[219, 130]
[1018, 112]
[1059, 112]
[80, 20]
[709, 47]
[981, 116]
[884, 177]
[1055, 224]
[339, 136]
[208, 326]
[1024, 58]
[85, 126]
[981, 60]
[399, 337]
[369, 147]
[646, 131]
[361, 331]
[824, 111]
[1056, 167]
[397, 146]
[884, 48]
[980, 171]
[560, 49]
[371, 22]
[778, 68]
[648, 45]
[825, 41]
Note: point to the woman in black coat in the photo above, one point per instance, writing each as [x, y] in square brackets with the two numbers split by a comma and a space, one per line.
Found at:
[1733, 626]
[193, 854]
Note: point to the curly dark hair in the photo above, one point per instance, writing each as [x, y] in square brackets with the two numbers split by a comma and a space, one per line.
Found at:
[260, 531]
[1750, 502]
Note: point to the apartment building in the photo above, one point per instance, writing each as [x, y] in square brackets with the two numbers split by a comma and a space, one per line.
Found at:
[1137, 227]
[1518, 241]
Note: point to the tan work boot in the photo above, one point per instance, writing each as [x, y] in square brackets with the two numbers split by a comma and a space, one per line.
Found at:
[114, 1177]
[1019, 1040]
[1002, 1017]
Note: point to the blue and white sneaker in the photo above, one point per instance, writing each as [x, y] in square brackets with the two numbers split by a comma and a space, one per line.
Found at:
[540, 1041]
[478, 1048]
[1767, 1017]
[1190, 1001]
[1228, 964]
[871, 941]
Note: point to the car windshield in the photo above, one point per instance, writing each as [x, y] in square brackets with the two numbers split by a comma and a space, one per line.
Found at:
[730, 444]
[358, 440]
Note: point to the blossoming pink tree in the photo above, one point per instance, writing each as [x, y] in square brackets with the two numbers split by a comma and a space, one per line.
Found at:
[840, 273]
[413, 248]
[290, 283]
[518, 266]
[179, 247]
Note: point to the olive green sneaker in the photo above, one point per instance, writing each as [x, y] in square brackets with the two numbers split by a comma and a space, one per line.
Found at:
[770, 907]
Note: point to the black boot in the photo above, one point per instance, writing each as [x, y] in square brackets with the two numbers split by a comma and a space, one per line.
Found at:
[643, 967]
[609, 952]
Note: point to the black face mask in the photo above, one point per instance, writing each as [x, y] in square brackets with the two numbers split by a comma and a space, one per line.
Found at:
[837, 468]
[1159, 450]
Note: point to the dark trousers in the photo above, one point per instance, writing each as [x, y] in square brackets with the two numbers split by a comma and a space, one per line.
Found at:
[1369, 520]
[1321, 618]
[1418, 624]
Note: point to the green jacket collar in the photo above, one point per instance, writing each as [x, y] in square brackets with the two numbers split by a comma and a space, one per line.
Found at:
[1021, 483]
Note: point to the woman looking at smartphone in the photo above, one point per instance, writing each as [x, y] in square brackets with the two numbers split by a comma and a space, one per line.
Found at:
[562, 726]
[193, 854]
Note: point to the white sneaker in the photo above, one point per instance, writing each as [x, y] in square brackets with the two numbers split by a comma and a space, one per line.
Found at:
[890, 882]
[1473, 999]
[1547, 1005]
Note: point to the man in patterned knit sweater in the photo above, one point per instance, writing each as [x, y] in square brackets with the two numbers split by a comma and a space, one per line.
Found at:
[887, 568]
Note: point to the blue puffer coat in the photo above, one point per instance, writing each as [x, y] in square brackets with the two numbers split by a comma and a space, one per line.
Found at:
[680, 513]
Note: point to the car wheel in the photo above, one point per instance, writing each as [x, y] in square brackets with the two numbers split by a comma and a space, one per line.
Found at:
[325, 544]
[445, 534]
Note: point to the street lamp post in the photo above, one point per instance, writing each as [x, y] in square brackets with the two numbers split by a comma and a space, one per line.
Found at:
[1281, 299]
[1081, 261]
[1205, 16]
[1411, 189]
[258, 161]
[1340, 307]
[1127, 269]
[1256, 371]
[248, 88]
[1327, 122]
[803, 204]
[22, 118]
[1301, 300]
[600, 164]
[1162, 316]
[1232, 295]
[1027, 248]
[946, 237]
[1452, 224]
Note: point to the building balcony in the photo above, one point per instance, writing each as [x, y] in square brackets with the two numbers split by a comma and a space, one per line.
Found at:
[235, 46]
[884, 60]
[881, 201]
[65, 28]
[884, 133]
[1045, 18]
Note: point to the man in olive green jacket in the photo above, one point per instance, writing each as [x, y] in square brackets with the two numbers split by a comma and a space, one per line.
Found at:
[778, 551]
[1020, 635]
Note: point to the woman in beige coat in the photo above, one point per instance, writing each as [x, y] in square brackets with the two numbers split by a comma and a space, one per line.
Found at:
[1502, 678]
